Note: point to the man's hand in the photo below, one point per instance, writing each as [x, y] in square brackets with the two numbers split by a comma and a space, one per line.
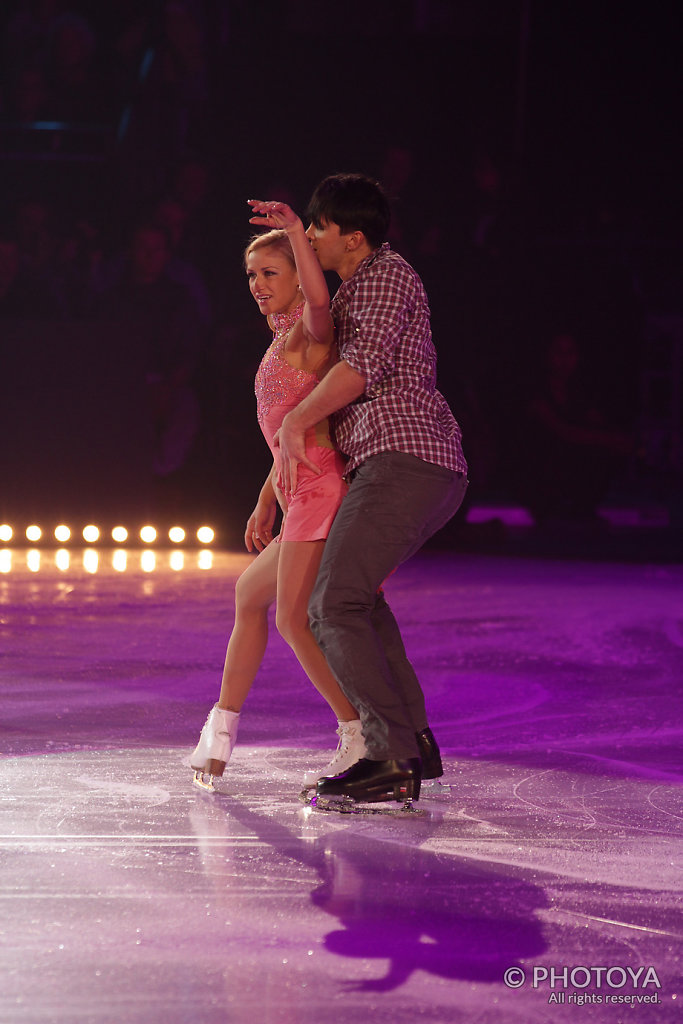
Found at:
[291, 440]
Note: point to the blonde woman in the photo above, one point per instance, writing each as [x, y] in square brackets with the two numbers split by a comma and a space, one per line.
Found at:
[289, 288]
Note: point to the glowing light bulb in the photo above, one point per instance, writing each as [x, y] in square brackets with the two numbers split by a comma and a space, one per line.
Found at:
[6, 532]
[205, 535]
[176, 534]
[148, 534]
[62, 533]
[33, 533]
[119, 534]
[91, 533]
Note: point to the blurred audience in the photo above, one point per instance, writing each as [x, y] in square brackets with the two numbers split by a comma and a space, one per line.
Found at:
[76, 85]
[155, 73]
[27, 96]
[29, 31]
[568, 453]
[36, 237]
[22, 294]
[172, 216]
[169, 113]
[54, 69]
[160, 313]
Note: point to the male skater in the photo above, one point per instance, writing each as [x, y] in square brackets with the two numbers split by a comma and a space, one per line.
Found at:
[407, 476]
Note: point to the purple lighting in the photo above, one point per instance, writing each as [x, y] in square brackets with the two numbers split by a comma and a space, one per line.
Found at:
[543, 871]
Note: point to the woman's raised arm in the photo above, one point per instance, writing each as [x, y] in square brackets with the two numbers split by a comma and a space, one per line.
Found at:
[317, 318]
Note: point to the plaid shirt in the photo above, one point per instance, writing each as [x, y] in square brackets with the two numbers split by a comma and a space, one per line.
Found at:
[381, 316]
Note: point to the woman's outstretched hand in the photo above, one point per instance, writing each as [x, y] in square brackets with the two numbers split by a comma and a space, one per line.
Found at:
[272, 214]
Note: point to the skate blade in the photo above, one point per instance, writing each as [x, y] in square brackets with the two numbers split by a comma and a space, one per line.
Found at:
[437, 787]
[200, 778]
[347, 805]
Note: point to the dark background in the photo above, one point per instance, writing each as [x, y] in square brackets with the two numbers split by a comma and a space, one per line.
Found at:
[531, 151]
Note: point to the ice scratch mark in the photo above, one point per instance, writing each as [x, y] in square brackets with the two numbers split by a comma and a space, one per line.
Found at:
[621, 924]
[127, 790]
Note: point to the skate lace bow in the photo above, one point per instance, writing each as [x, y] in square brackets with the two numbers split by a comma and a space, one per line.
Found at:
[346, 737]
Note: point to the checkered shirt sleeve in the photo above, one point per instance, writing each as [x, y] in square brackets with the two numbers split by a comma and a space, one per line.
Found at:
[382, 320]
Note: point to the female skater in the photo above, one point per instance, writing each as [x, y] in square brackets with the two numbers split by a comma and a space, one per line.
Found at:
[289, 287]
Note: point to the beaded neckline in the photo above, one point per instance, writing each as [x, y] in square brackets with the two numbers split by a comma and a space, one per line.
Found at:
[282, 323]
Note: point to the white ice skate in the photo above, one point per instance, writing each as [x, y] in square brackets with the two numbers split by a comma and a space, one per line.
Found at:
[351, 748]
[215, 746]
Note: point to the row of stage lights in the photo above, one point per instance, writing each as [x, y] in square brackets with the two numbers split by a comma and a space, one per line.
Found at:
[92, 561]
[92, 534]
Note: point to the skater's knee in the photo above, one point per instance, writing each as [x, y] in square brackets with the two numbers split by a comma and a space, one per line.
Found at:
[330, 610]
[324, 607]
[291, 627]
[250, 601]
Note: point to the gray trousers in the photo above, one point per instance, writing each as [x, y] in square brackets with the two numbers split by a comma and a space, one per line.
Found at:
[394, 504]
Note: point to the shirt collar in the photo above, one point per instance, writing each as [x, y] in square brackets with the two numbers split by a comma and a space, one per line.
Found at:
[367, 262]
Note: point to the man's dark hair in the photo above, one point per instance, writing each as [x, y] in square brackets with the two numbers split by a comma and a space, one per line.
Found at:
[354, 202]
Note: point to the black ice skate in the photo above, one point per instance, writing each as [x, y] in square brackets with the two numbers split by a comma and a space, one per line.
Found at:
[430, 755]
[370, 782]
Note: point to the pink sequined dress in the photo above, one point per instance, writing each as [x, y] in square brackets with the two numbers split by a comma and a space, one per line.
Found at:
[279, 387]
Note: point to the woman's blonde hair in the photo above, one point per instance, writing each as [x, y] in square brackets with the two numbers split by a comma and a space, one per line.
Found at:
[276, 239]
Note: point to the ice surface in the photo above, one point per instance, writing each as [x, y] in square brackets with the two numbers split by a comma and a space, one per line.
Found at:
[126, 894]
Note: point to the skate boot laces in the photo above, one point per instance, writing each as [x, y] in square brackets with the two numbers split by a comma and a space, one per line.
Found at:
[347, 733]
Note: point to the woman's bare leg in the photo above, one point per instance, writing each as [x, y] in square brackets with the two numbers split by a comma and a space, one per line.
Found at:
[254, 594]
[297, 573]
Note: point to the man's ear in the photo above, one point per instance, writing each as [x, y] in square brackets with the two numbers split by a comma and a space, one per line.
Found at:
[354, 240]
